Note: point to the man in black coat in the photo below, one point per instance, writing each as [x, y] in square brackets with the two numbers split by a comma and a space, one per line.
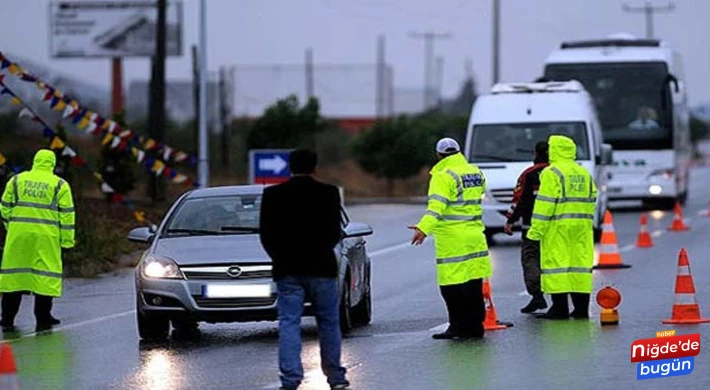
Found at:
[300, 225]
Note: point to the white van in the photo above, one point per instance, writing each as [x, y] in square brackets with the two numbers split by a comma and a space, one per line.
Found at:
[506, 124]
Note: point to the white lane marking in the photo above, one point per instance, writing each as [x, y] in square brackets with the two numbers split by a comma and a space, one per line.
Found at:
[704, 213]
[657, 233]
[390, 249]
[74, 325]
[627, 248]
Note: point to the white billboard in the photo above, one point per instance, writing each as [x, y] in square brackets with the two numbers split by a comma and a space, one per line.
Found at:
[111, 28]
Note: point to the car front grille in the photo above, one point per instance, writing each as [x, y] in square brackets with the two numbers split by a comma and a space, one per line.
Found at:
[220, 272]
[503, 195]
[216, 303]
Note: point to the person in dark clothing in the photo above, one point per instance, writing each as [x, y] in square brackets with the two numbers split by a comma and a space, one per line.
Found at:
[522, 207]
[300, 226]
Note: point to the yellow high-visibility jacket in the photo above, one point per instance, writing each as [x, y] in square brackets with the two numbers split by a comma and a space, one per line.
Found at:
[454, 218]
[563, 219]
[38, 212]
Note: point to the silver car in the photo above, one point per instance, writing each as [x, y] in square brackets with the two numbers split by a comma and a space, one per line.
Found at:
[205, 263]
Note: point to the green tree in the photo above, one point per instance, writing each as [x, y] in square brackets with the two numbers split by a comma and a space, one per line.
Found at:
[461, 105]
[393, 149]
[286, 125]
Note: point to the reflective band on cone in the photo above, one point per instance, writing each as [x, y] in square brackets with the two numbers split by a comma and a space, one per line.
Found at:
[678, 225]
[644, 238]
[609, 256]
[685, 309]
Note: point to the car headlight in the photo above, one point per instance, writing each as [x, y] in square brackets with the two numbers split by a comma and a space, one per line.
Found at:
[160, 268]
[666, 173]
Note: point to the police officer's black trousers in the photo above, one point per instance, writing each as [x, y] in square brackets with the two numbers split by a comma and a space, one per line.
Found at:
[11, 305]
[466, 308]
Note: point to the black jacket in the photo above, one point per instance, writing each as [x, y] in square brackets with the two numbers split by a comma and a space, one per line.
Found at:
[525, 194]
[300, 225]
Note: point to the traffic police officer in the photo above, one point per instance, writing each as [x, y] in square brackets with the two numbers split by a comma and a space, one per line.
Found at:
[563, 223]
[38, 212]
[454, 217]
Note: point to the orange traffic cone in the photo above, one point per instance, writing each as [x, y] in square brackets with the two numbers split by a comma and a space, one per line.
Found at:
[678, 225]
[685, 309]
[491, 322]
[8, 369]
[644, 238]
[609, 256]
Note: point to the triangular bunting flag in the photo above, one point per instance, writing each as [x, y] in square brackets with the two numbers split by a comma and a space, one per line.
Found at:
[107, 139]
[167, 151]
[158, 167]
[26, 112]
[83, 123]
[149, 144]
[125, 134]
[140, 156]
[115, 142]
[78, 161]
[13, 68]
[140, 216]
[179, 178]
[47, 132]
[68, 111]
[180, 156]
[167, 172]
[118, 198]
[16, 101]
[57, 143]
[111, 126]
[3, 160]
[105, 188]
[91, 127]
[60, 105]
[68, 152]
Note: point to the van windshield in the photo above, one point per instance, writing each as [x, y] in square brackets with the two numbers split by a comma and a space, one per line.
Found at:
[516, 141]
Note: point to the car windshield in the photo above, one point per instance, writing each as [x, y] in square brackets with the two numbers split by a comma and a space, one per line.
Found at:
[516, 141]
[631, 100]
[234, 214]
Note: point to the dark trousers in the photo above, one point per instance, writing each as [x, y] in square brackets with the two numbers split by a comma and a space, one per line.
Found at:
[530, 258]
[11, 305]
[560, 303]
[465, 305]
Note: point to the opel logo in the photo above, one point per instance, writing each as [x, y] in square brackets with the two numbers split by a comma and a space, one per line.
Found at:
[234, 272]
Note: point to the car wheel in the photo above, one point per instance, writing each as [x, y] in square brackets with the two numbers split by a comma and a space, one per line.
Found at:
[152, 328]
[346, 322]
[362, 313]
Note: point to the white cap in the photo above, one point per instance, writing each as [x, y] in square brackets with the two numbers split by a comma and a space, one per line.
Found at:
[447, 145]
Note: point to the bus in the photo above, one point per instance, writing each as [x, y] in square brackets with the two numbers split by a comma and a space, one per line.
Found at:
[640, 97]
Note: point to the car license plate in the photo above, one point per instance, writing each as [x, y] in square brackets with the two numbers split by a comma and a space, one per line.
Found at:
[237, 291]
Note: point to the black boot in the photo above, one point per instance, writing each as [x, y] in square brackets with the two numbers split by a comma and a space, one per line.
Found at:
[581, 306]
[559, 309]
[537, 302]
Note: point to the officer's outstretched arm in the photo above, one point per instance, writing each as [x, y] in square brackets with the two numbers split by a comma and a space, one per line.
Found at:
[8, 201]
[545, 204]
[67, 216]
[440, 188]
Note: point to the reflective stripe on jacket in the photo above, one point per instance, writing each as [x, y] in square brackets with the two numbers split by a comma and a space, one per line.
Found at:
[562, 221]
[38, 212]
[454, 218]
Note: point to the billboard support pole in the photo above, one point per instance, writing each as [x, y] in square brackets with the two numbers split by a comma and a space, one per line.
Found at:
[116, 85]
[203, 172]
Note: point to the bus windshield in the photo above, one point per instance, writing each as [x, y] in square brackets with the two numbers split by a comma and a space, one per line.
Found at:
[514, 142]
[632, 101]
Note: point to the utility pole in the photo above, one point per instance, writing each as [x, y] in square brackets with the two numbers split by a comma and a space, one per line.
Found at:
[156, 111]
[496, 42]
[203, 158]
[380, 88]
[429, 38]
[649, 9]
[439, 79]
[309, 73]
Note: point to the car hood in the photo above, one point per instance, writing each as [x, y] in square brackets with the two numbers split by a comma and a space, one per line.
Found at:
[224, 249]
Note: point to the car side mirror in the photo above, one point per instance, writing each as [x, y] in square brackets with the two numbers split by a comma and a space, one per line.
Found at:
[143, 235]
[673, 80]
[357, 229]
[607, 155]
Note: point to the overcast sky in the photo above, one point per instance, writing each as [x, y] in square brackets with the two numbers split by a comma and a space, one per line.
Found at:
[345, 31]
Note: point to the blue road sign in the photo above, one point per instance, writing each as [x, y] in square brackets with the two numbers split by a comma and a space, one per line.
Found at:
[268, 166]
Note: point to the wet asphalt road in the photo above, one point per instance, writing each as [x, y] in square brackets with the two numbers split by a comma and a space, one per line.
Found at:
[97, 346]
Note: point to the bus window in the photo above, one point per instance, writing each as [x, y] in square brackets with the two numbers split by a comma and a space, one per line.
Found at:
[632, 101]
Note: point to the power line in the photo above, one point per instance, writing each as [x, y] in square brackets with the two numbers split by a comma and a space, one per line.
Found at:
[648, 9]
[429, 38]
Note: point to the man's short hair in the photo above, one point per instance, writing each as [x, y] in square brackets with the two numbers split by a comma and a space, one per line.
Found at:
[541, 148]
[303, 161]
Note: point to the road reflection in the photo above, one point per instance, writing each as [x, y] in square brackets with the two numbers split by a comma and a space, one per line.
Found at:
[160, 369]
